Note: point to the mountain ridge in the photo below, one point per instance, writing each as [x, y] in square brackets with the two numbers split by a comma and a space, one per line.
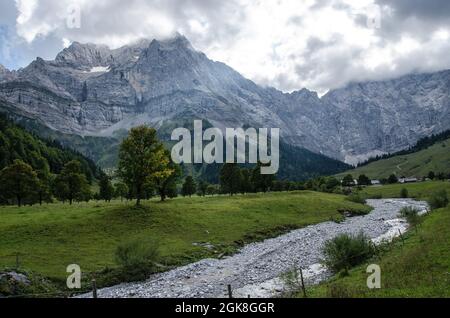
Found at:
[93, 90]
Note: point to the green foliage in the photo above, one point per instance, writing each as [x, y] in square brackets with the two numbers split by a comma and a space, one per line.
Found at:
[404, 193]
[71, 184]
[121, 190]
[166, 184]
[136, 252]
[106, 188]
[345, 251]
[357, 198]
[142, 160]
[246, 181]
[41, 155]
[18, 181]
[438, 199]
[189, 186]
[202, 187]
[415, 267]
[411, 215]
[137, 259]
[392, 179]
[230, 178]
[212, 189]
[363, 180]
[261, 182]
[348, 181]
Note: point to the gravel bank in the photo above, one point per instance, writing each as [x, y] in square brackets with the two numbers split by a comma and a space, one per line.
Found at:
[256, 269]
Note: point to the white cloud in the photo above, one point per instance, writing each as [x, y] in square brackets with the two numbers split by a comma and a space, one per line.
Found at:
[289, 44]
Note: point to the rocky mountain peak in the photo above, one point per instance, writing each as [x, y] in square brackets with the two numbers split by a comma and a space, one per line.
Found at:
[91, 89]
[79, 55]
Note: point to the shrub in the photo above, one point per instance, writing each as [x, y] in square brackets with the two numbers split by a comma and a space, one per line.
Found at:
[404, 193]
[411, 214]
[136, 253]
[355, 197]
[438, 199]
[345, 251]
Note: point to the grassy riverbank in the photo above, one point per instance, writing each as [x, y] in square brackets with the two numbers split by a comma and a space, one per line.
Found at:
[418, 266]
[50, 237]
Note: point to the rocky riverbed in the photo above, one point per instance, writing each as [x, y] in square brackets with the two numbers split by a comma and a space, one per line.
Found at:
[255, 271]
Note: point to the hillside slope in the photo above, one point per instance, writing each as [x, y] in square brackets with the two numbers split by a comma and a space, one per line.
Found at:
[435, 158]
[18, 143]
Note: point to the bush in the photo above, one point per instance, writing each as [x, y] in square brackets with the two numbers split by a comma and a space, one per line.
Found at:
[438, 199]
[404, 193]
[355, 197]
[411, 214]
[345, 251]
[136, 253]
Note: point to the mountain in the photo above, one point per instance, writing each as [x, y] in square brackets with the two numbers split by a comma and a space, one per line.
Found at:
[91, 90]
[17, 143]
[435, 157]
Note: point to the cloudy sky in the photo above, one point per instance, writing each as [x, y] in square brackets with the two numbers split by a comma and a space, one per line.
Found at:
[288, 44]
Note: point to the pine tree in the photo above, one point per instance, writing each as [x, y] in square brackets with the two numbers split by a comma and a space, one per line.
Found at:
[189, 186]
[230, 178]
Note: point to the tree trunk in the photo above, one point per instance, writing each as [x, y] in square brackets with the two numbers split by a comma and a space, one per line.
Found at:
[19, 201]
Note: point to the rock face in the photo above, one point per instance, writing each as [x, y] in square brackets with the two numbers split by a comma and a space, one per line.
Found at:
[92, 90]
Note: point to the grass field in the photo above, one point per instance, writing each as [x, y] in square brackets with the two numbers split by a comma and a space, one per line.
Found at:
[421, 190]
[50, 237]
[436, 158]
[419, 267]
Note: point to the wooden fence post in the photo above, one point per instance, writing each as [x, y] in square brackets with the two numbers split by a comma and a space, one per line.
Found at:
[401, 236]
[94, 288]
[230, 292]
[303, 283]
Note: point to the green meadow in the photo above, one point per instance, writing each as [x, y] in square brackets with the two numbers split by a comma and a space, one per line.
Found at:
[50, 237]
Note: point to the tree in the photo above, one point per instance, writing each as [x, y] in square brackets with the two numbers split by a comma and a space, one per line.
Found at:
[166, 184]
[392, 179]
[230, 178]
[348, 181]
[18, 181]
[431, 175]
[71, 184]
[43, 189]
[363, 180]
[106, 188]
[246, 182]
[212, 190]
[142, 159]
[121, 190]
[202, 187]
[189, 186]
[261, 182]
[332, 183]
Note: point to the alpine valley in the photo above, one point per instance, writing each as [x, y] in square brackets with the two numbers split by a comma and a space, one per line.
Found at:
[90, 95]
